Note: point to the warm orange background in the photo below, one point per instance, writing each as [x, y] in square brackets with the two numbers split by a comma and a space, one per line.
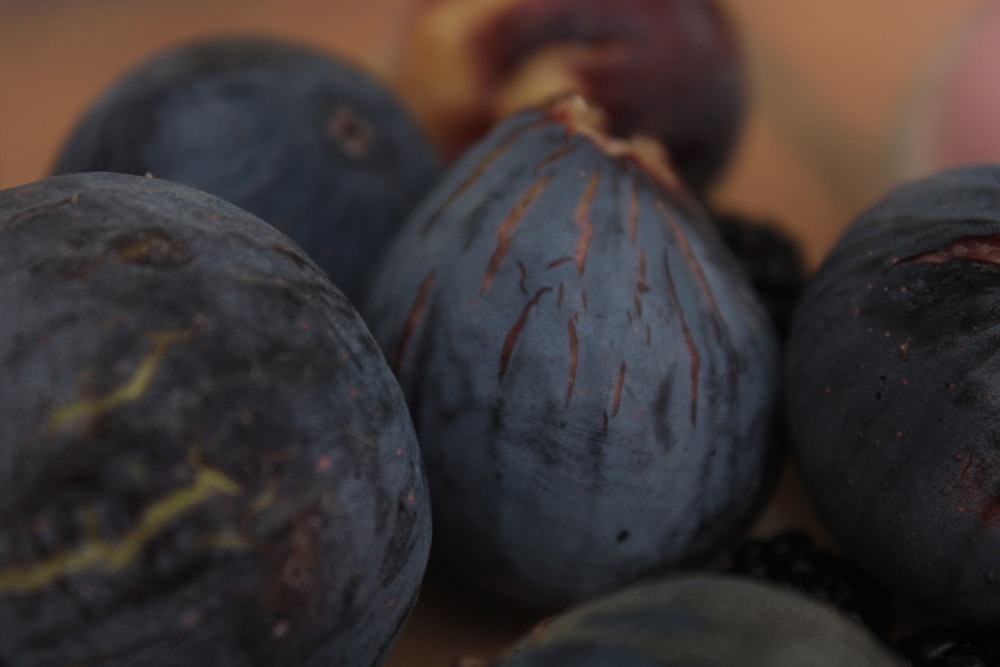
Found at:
[835, 84]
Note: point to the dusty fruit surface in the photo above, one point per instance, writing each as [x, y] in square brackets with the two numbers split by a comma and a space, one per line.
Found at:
[305, 139]
[204, 458]
[591, 376]
[668, 69]
[892, 392]
[700, 621]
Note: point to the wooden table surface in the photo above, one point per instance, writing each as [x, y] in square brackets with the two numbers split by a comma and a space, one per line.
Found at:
[833, 84]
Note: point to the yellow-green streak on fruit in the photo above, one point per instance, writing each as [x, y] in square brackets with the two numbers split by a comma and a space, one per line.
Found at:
[98, 553]
[132, 390]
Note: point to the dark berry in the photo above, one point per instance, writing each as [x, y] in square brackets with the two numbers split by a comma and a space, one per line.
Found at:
[792, 558]
[771, 258]
[950, 646]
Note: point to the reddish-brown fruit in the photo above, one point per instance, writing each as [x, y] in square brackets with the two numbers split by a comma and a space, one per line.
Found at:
[670, 69]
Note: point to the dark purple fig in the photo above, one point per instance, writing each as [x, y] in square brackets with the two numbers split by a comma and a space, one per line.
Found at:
[700, 621]
[591, 376]
[669, 69]
[893, 392]
[204, 458]
[305, 139]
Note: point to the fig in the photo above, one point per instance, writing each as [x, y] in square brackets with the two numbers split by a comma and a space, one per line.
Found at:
[892, 376]
[700, 620]
[592, 379]
[204, 457]
[307, 140]
[670, 69]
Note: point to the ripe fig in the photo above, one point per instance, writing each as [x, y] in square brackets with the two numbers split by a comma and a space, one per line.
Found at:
[304, 139]
[700, 621]
[591, 376]
[893, 379]
[204, 458]
[670, 69]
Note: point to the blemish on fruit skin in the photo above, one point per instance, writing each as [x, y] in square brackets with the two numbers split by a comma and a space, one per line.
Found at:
[633, 214]
[573, 357]
[977, 248]
[324, 463]
[515, 331]
[97, 553]
[584, 223]
[560, 152]
[507, 227]
[692, 349]
[479, 170]
[65, 416]
[523, 270]
[617, 394]
[642, 286]
[413, 318]
[904, 349]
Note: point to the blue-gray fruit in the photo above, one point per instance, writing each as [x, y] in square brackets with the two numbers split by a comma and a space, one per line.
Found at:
[204, 458]
[591, 377]
[700, 621]
[306, 140]
[893, 384]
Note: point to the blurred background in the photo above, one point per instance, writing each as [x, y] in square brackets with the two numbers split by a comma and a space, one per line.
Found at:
[847, 99]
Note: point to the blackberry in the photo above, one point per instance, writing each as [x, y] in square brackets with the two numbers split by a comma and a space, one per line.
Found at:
[791, 558]
[950, 646]
[771, 259]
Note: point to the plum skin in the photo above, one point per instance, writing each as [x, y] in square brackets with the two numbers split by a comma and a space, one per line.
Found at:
[891, 379]
[204, 458]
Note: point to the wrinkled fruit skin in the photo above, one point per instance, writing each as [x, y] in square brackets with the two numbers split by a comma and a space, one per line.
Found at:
[893, 379]
[304, 139]
[591, 378]
[204, 459]
[700, 621]
[670, 69]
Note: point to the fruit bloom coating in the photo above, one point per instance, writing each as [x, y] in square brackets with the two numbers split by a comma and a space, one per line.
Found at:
[700, 621]
[204, 459]
[893, 391]
[304, 139]
[591, 376]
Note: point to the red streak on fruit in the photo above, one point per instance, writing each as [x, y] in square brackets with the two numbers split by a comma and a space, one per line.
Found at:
[584, 223]
[556, 262]
[633, 215]
[573, 357]
[688, 340]
[508, 226]
[616, 399]
[479, 170]
[515, 331]
[638, 305]
[976, 248]
[642, 285]
[562, 151]
[413, 319]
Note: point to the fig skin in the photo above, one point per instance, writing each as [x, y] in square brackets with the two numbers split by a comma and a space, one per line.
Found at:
[892, 384]
[305, 139]
[700, 620]
[591, 377]
[673, 70]
[204, 458]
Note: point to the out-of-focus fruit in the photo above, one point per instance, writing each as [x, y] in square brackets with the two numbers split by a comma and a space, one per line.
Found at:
[952, 116]
[592, 378]
[304, 139]
[204, 458]
[669, 69]
[771, 258]
[893, 392]
[703, 621]
[950, 646]
[791, 558]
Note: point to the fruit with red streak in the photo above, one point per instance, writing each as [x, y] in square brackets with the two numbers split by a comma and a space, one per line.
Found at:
[893, 392]
[670, 69]
[592, 378]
